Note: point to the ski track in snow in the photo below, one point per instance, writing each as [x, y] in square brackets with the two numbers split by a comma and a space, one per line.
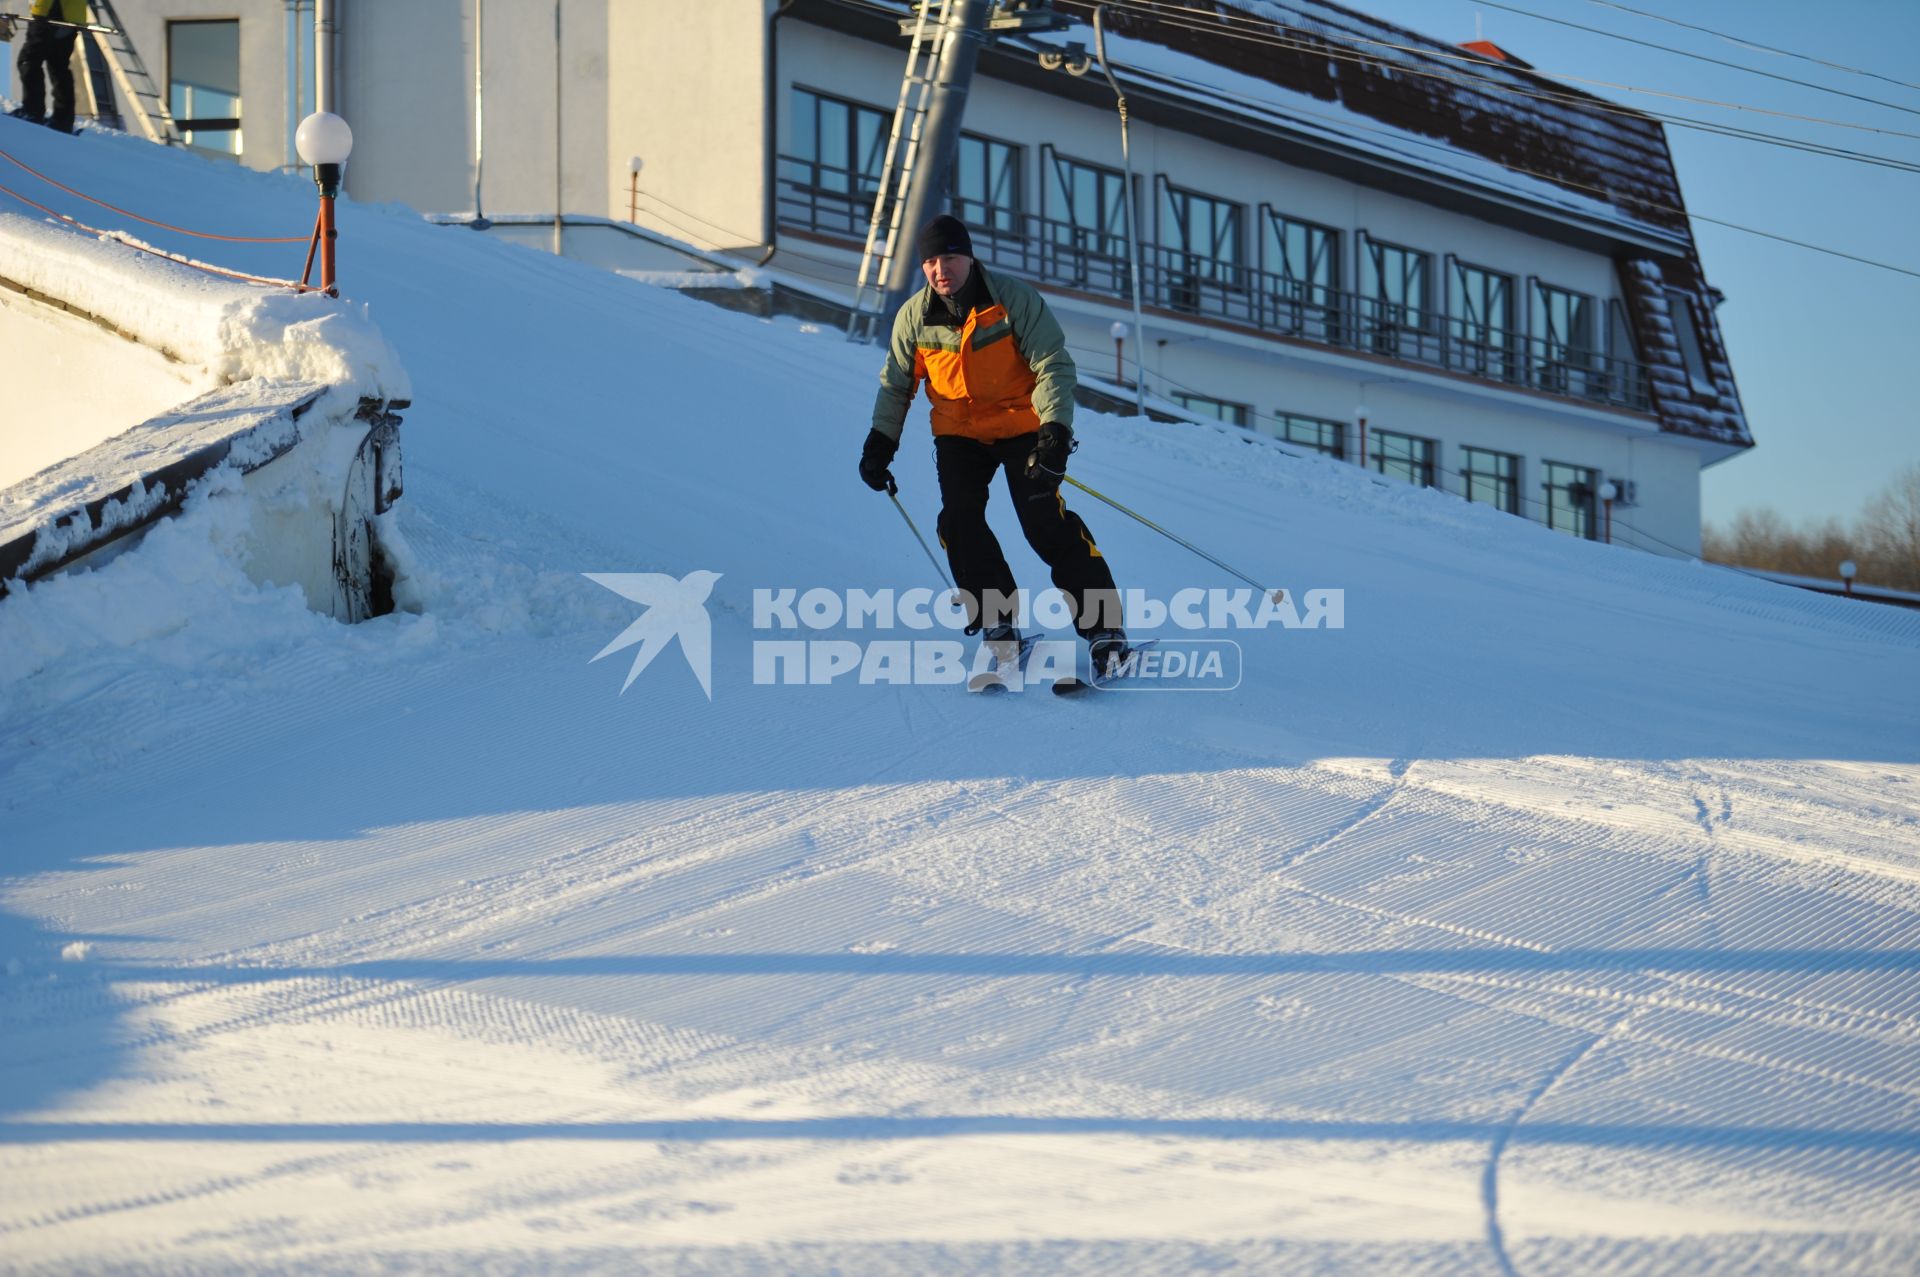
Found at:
[416, 947]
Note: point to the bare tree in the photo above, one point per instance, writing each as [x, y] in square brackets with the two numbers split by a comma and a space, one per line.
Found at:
[1884, 542]
[1890, 527]
[1763, 539]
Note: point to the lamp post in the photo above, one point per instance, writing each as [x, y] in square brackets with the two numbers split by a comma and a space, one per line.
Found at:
[1608, 492]
[1119, 334]
[325, 141]
[1846, 575]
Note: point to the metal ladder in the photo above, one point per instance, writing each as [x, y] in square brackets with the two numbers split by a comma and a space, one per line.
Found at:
[124, 69]
[884, 229]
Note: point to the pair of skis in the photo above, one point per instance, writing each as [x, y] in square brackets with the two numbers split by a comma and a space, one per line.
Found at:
[1009, 665]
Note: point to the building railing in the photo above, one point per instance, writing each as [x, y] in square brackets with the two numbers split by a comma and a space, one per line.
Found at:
[832, 201]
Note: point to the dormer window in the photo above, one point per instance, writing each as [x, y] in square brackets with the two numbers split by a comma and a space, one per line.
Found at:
[1686, 335]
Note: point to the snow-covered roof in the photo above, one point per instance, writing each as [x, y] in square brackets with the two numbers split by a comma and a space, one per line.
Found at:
[1383, 89]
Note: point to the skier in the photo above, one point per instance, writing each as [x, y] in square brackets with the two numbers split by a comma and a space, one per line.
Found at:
[1001, 385]
[47, 51]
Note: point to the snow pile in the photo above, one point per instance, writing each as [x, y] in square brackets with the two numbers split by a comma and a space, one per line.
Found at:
[235, 330]
[309, 338]
[275, 347]
[170, 307]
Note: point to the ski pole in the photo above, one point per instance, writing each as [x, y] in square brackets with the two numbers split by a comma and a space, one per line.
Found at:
[55, 22]
[894, 492]
[1278, 596]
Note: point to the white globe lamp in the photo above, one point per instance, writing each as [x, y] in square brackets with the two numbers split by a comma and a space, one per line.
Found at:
[324, 141]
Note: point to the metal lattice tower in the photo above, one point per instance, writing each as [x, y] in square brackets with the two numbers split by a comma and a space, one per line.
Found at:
[945, 40]
[885, 229]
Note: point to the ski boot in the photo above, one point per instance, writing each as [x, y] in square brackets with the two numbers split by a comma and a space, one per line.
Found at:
[1003, 641]
[1009, 649]
[1108, 652]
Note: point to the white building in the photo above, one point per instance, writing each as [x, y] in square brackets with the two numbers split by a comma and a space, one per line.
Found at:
[1413, 255]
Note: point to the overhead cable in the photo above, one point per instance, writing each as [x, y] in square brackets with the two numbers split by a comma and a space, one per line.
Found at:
[1763, 48]
[1262, 25]
[1485, 85]
[1701, 57]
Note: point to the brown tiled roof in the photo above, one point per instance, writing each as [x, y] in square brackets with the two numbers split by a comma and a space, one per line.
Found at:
[1497, 111]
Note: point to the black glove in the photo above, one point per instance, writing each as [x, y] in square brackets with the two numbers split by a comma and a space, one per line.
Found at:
[1049, 456]
[874, 459]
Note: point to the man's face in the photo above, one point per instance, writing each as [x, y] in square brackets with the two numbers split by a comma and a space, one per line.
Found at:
[947, 272]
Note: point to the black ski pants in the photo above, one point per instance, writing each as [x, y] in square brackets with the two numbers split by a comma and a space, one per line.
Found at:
[47, 51]
[1057, 535]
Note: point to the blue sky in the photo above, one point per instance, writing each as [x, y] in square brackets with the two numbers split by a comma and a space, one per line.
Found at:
[1822, 348]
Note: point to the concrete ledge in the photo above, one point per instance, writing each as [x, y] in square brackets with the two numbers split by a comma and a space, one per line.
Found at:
[87, 503]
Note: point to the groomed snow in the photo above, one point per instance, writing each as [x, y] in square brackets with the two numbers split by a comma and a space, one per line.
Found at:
[1561, 913]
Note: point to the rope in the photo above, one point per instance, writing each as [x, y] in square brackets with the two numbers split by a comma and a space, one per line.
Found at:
[178, 230]
[119, 237]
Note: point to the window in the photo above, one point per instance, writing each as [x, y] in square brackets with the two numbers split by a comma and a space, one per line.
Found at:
[203, 84]
[1620, 342]
[1234, 414]
[1625, 380]
[1687, 335]
[1403, 457]
[1562, 338]
[838, 147]
[1570, 493]
[1313, 432]
[986, 185]
[1200, 245]
[1492, 478]
[1087, 207]
[1302, 264]
[1394, 287]
[1481, 321]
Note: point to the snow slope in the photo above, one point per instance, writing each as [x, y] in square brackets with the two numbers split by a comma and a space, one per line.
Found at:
[1561, 913]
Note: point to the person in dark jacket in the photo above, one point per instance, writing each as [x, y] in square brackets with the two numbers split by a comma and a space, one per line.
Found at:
[46, 53]
[1000, 381]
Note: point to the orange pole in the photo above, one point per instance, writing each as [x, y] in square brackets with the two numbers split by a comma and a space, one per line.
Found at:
[328, 283]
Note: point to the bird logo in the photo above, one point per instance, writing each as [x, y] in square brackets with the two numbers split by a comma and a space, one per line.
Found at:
[674, 608]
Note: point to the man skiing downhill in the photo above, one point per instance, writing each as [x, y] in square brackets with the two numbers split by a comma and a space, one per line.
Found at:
[1001, 383]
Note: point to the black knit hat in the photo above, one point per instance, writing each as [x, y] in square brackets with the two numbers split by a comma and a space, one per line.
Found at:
[943, 235]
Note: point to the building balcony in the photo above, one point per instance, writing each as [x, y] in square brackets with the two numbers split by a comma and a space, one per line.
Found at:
[834, 203]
